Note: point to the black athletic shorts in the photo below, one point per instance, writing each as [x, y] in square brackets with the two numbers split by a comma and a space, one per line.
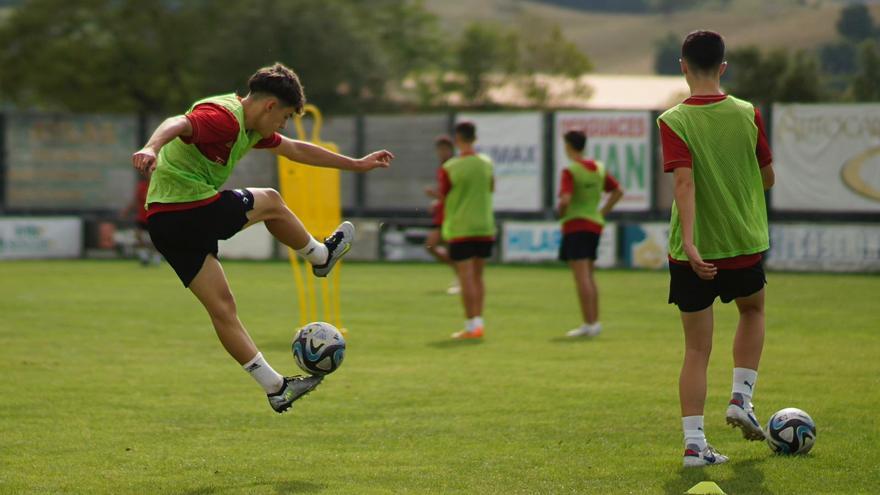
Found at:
[186, 237]
[579, 246]
[691, 293]
[460, 251]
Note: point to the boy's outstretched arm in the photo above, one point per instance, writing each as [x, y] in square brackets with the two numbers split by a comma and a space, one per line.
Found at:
[145, 159]
[311, 154]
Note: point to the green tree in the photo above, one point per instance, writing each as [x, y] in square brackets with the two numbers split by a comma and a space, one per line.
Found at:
[483, 49]
[667, 51]
[855, 22]
[544, 49]
[866, 83]
[157, 57]
[801, 81]
[753, 75]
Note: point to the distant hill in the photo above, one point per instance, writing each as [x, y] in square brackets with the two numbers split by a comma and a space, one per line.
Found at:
[621, 43]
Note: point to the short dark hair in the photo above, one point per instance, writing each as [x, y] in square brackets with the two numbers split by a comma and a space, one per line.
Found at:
[466, 130]
[703, 50]
[576, 139]
[281, 82]
[443, 140]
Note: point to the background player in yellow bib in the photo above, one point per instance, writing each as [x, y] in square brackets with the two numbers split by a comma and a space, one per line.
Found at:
[715, 146]
[189, 157]
[580, 195]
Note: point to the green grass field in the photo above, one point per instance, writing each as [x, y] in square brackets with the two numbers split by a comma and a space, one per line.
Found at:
[113, 382]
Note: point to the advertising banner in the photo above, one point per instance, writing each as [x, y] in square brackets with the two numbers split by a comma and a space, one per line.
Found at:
[819, 247]
[40, 238]
[826, 157]
[514, 143]
[620, 140]
[80, 162]
[537, 242]
[646, 245]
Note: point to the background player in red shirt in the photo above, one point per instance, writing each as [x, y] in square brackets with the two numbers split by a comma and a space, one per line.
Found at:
[144, 248]
[445, 150]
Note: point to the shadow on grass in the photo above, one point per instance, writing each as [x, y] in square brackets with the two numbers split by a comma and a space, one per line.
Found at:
[280, 487]
[452, 343]
[572, 340]
[747, 478]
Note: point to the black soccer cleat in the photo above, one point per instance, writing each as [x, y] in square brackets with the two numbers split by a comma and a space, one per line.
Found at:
[294, 387]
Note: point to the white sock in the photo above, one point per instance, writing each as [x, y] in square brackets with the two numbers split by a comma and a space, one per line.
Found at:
[314, 252]
[595, 326]
[474, 323]
[260, 370]
[693, 431]
[744, 381]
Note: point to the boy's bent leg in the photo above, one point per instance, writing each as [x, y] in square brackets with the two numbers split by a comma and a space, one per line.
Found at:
[269, 207]
[748, 345]
[212, 290]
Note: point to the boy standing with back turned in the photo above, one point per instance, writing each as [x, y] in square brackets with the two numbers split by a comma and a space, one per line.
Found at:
[715, 146]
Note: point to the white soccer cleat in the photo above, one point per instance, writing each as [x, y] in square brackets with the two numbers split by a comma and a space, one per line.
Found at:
[693, 457]
[742, 415]
[584, 331]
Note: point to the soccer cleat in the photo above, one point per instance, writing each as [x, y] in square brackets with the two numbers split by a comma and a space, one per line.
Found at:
[338, 244]
[453, 290]
[694, 457]
[584, 331]
[476, 333]
[742, 415]
[294, 387]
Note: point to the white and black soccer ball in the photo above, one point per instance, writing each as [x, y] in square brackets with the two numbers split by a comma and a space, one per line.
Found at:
[318, 348]
[791, 431]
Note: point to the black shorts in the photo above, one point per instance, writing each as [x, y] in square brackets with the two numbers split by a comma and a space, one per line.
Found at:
[460, 251]
[691, 293]
[579, 246]
[186, 237]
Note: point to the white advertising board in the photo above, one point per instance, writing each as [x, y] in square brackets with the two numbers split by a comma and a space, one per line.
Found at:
[621, 141]
[538, 242]
[819, 247]
[826, 157]
[514, 143]
[40, 237]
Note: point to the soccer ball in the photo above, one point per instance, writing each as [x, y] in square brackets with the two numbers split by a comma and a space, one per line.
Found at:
[791, 431]
[318, 348]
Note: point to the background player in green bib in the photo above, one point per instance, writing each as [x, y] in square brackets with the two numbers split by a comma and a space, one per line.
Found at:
[715, 146]
[189, 157]
[582, 219]
[466, 186]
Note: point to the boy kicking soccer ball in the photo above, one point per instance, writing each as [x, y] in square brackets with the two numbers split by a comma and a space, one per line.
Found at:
[189, 157]
[715, 146]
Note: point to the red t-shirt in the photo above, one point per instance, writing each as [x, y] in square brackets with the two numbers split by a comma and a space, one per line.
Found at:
[566, 186]
[676, 154]
[214, 131]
